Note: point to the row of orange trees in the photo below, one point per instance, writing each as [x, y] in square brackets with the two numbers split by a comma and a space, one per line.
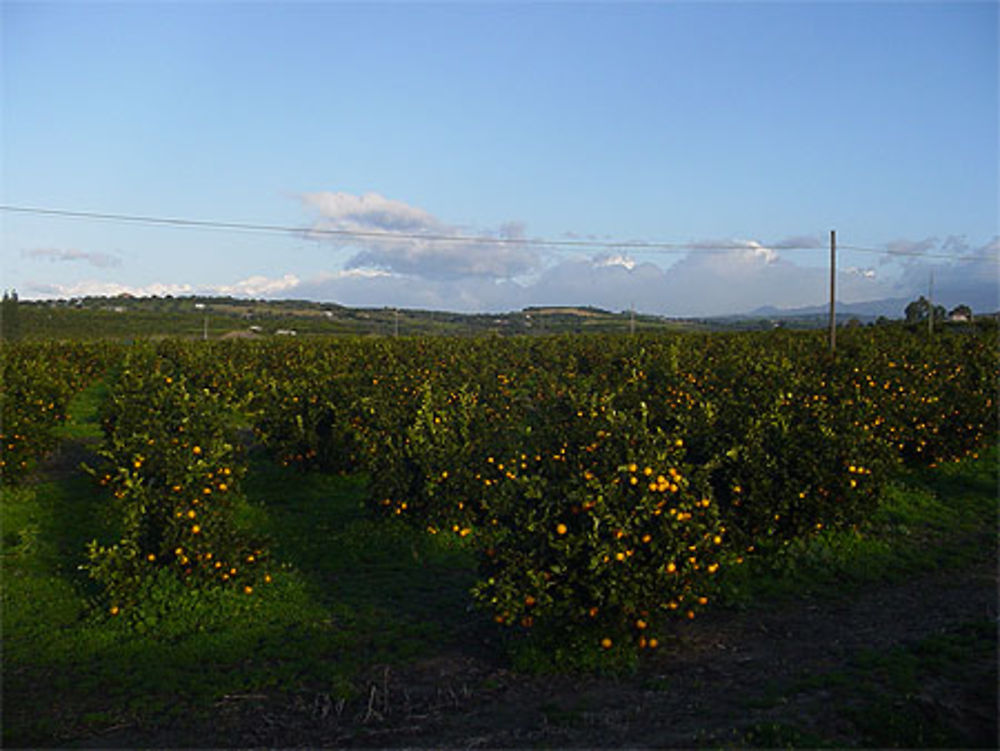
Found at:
[39, 379]
[604, 482]
[173, 467]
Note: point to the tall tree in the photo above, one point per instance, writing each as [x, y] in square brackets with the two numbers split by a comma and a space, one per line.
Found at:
[920, 309]
[10, 320]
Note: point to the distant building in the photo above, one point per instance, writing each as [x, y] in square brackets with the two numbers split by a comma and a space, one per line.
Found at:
[960, 314]
[286, 332]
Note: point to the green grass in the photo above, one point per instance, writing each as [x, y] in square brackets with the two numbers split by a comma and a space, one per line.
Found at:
[929, 520]
[350, 593]
[405, 590]
[82, 423]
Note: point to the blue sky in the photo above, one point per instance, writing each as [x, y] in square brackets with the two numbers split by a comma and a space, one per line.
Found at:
[760, 125]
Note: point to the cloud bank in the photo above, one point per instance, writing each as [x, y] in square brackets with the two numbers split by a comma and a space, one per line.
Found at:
[360, 221]
[972, 279]
[396, 257]
[101, 260]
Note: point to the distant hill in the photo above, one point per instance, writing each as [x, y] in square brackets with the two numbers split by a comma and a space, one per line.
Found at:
[127, 317]
[889, 307]
[196, 317]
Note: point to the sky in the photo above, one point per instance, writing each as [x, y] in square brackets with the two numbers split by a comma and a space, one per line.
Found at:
[683, 159]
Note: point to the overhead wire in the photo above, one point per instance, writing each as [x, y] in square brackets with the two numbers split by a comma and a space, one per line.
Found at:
[621, 244]
[638, 245]
[918, 253]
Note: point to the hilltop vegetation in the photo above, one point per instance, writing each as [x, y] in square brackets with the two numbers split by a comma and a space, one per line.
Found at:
[194, 317]
[126, 317]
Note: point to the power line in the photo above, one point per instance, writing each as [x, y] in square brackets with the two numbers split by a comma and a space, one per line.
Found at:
[654, 247]
[636, 245]
[917, 254]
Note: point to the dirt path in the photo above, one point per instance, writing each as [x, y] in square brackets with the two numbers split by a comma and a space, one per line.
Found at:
[802, 671]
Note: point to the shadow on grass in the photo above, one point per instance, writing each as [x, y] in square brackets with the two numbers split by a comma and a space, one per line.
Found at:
[404, 592]
[974, 479]
[72, 672]
[357, 593]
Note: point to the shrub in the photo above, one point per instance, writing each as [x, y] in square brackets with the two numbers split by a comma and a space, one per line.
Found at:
[598, 532]
[175, 473]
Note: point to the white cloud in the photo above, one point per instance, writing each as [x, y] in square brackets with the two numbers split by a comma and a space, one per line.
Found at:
[768, 255]
[705, 283]
[712, 278]
[370, 212]
[101, 260]
[800, 241]
[499, 254]
[615, 260]
[911, 247]
[97, 288]
[857, 271]
[257, 286]
[472, 294]
[701, 284]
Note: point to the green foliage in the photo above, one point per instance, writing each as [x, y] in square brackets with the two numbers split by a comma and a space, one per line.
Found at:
[10, 317]
[921, 309]
[500, 441]
[175, 474]
[38, 382]
[538, 435]
[600, 528]
[766, 441]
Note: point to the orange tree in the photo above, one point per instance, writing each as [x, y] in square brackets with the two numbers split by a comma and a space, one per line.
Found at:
[515, 442]
[39, 379]
[597, 530]
[174, 470]
[931, 400]
[787, 450]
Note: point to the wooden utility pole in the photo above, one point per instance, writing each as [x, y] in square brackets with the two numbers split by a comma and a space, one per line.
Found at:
[833, 290]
